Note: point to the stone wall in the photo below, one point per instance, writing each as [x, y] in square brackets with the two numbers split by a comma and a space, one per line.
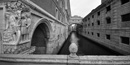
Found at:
[107, 27]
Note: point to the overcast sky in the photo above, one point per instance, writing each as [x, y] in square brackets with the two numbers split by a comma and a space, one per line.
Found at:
[83, 7]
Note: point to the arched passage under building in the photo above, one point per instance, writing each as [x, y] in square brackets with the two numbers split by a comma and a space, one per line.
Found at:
[40, 38]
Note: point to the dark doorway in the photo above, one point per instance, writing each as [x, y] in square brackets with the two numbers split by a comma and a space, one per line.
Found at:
[40, 39]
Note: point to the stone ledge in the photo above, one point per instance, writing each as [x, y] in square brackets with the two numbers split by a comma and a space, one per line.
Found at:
[105, 60]
[33, 58]
[64, 59]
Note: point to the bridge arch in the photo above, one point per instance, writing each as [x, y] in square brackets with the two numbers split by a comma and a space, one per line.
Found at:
[40, 36]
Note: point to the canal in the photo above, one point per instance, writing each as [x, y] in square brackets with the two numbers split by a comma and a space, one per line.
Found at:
[86, 47]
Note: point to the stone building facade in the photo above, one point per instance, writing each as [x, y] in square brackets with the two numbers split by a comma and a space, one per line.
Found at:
[58, 8]
[109, 24]
[33, 25]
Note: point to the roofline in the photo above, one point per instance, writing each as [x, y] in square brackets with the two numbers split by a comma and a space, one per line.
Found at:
[104, 4]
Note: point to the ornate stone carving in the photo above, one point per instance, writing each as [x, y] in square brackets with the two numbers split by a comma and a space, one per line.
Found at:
[12, 30]
[18, 20]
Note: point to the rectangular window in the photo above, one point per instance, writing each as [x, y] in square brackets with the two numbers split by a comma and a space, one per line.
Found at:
[88, 18]
[125, 17]
[108, 8]
[125, 40]
[88, 32]
[108, 20]
[124, 1]
[1, 8]
[92, 33]
[108, 37]
[98, 13]
[92, 24]
[98, 35]
[98, 22]
[92, 16]
[88, 24]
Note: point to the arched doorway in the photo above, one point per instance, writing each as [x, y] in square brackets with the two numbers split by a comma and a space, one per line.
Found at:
[40, 38]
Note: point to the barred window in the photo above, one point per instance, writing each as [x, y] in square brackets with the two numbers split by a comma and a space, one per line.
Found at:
[125, 40]
[125, 17]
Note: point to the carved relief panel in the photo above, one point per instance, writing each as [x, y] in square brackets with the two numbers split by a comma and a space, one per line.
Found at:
[18, 21]
[17, 17]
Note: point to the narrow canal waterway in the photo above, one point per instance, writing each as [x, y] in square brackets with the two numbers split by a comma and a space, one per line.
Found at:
[86, 47]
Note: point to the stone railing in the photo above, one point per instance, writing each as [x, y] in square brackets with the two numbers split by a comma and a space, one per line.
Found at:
[28, 59]
[7, 59]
